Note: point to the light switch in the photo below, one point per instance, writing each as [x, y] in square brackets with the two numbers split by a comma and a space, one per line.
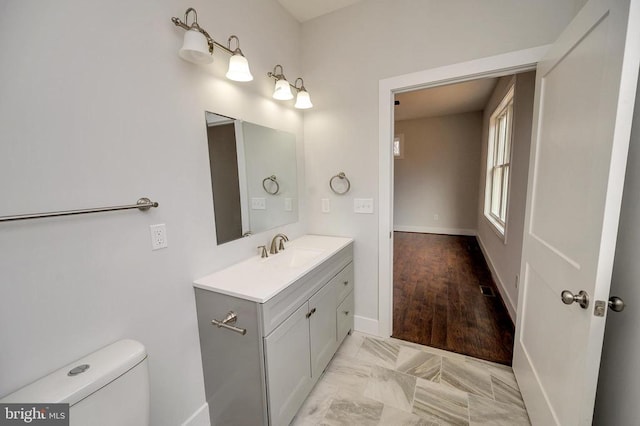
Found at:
[363, 205]
[326, 205]
[258, 204]
[288, 205]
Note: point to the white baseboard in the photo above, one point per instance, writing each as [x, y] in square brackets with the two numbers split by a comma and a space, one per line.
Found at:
[366, 325]
[434, 230]
[199, 418]
[511, 308]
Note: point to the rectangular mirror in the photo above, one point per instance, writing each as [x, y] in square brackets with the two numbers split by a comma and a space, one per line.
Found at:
[253, 177]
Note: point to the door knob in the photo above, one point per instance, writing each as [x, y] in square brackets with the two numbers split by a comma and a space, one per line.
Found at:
[582, 298]
[616, 304]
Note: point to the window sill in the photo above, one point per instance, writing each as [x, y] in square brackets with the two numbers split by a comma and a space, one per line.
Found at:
[497, 228]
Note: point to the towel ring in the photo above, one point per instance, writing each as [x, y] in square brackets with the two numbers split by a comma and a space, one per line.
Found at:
[341, 176]
[271, 178]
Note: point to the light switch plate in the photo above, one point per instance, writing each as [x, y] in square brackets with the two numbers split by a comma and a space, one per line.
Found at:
[258, 204]
[288, 205]
[326, 205]
[363, 205]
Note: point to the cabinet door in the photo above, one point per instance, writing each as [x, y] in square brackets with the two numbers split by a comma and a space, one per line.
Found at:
[288, 368]
[322, 328]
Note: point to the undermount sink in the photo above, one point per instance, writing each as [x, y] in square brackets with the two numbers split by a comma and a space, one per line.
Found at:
[293, 257]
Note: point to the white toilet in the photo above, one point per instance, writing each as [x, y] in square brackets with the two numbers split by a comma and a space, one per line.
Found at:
[112, 390]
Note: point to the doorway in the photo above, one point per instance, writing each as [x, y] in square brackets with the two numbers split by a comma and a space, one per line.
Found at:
[496, 66]
[452, 266]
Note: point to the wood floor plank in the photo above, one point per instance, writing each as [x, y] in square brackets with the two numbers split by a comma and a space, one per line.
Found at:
[437, 298]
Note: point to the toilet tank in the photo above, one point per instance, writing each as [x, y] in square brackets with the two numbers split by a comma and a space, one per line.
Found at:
[112, 390]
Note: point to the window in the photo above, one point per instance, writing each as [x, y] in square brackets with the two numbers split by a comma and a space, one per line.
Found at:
[398, 147]
[498, 163]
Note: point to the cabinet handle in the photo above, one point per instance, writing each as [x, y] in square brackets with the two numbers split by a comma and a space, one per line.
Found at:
[311, 312]
[346, 282]
[227, 322]
[346, 312]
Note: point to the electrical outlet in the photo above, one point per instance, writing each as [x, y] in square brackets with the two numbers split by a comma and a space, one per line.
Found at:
[363, 205]
[326, 205]
[158, 236]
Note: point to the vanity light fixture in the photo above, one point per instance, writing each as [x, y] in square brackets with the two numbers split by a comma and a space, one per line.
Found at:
[198, 48]
[303, 100]
[282, 89]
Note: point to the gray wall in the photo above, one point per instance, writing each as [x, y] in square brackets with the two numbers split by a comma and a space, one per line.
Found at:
[619, 382]
[504, 255]
[98, 109]
[438, 174]
[346, 53]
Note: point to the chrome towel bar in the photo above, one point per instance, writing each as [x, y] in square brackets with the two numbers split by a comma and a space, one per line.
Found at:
[142, 204]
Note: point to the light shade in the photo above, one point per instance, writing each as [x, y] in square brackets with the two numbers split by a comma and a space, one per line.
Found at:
[239, 68]
[303, 100]
[195, 48]
[282, 91]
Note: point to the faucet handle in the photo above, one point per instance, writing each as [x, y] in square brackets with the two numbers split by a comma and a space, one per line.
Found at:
[263, 252]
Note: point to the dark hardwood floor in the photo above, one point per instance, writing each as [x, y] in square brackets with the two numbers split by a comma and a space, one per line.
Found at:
[437, 299]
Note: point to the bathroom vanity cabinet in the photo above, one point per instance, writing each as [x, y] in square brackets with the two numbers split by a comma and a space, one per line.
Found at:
[296, 313]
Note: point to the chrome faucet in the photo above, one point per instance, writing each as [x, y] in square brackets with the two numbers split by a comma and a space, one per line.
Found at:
[274, 243]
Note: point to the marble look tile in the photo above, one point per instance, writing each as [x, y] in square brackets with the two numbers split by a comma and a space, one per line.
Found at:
[391, 388]
[419, 363]
[465, 377]
[505, 386]
[442, 404]
[506, 392]
[435, 351]
[349, 374]
[316, 405]
[379, 352]
[395, 417]
[484, 411]
[351, 344]
[353, 411]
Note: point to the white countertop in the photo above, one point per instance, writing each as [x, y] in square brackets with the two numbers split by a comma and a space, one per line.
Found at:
[258, 279]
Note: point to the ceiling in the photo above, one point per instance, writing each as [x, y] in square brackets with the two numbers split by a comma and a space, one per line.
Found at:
[304, 10]
[445, 100]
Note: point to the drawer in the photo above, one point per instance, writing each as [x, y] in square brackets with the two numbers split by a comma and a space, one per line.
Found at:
[344, 282]
[344, 314]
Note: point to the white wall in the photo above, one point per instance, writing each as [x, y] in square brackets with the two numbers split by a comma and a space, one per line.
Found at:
[98, 109]
[504, 255]
[346, 53]
[438, 174]
[619, 382]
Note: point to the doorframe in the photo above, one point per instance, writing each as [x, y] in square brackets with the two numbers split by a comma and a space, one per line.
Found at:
[488, 67]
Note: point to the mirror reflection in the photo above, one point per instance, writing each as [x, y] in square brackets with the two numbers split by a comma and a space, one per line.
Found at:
[253, 177]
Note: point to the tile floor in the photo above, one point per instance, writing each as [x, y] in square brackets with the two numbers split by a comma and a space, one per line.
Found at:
[373, 381]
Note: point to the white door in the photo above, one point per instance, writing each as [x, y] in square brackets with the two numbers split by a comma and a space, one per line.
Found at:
[583, 109]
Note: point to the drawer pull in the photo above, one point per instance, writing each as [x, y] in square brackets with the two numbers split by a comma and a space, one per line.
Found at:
[346, 282]
[231, 318]
[311, 312]
[346, 313]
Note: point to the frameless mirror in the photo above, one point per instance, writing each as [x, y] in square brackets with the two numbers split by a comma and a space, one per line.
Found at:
[253, 177]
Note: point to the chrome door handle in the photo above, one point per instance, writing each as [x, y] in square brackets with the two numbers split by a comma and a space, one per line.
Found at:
[616, 304]
[582, 298]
